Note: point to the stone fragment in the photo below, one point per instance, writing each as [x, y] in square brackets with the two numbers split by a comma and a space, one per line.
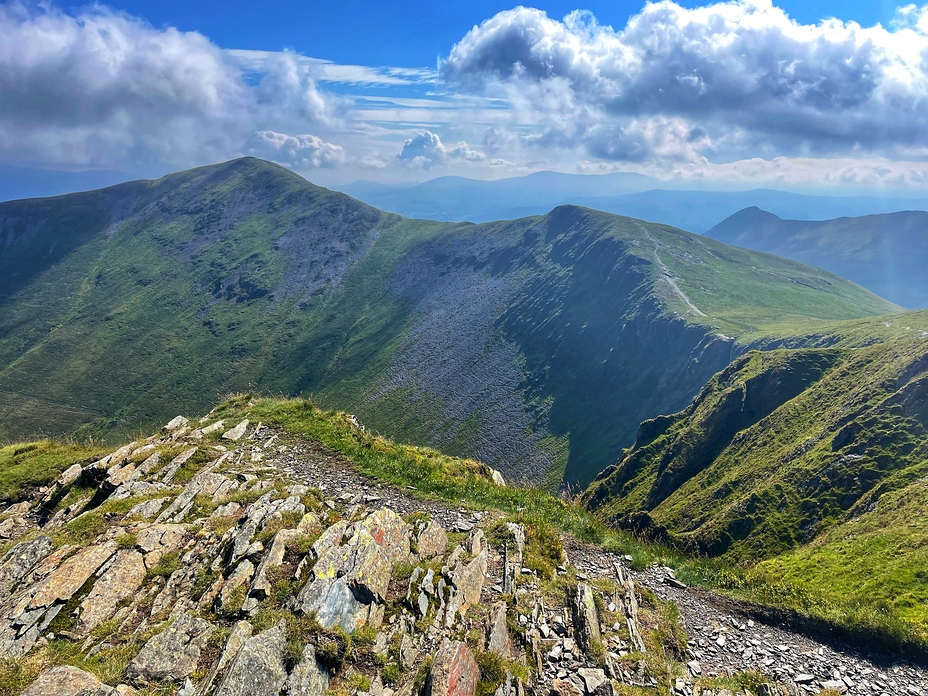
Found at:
[229, 600]
[176, 463]
[563, 687]
[175, 424]
[498, 631]
[120, 579]
[236, 433]
[147, 509]
[67, 681]
[258, 668]
[585, 617]
[173, 653]
[239, 634]
[390, 532]
[309, 677]
[156, 540]
[592, 678]
[454, 671]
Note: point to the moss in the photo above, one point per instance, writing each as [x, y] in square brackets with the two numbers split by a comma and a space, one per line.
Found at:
[166, 565]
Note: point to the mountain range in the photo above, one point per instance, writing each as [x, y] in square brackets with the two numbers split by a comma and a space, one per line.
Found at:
[536, 344]
[685, 206]
[887, 254]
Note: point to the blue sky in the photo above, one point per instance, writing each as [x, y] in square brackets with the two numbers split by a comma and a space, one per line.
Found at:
[832, 95]
[407, 34]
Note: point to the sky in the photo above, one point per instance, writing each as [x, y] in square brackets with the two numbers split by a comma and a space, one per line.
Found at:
[824, 94]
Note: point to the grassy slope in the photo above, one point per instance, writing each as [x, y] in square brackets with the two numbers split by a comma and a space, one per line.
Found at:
[806, 465]
[886, 253]
[122, 305]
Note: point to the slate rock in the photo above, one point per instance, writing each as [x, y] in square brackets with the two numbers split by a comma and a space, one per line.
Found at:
[454, 671]
[237, 432]
[309, 677]
[19, 560]
[258, 668]
[585, 617]
[120, 579]
[67, 681]
[432, 541]
[173, 653]
[71, 575]
[498, 631]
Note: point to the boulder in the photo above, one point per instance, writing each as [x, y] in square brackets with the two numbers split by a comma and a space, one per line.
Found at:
[120, 579]
[432, 541]
[172, 654]
[585, 617]
[454, 671]
[258, 668]
[390, 533]
[309, 677]
[67, 681]
[156, 540]
[592, 678]
[563, 687]
[239, 578]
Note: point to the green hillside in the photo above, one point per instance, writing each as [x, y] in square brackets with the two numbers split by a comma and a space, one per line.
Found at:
[529, 344]
[885, 253]
[810, 461]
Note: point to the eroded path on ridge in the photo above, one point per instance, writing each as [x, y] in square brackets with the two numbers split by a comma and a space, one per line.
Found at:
[666, 274]
[723, 639]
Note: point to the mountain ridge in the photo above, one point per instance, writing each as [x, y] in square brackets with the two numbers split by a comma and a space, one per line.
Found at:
[223, 277]
[885, 253]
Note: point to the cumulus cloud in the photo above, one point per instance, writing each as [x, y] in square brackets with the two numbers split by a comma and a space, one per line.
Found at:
[735, 78]
[297, 151]
[102, 88]
[426, 150]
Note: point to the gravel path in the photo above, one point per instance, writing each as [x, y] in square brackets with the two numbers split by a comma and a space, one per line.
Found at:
[723, 636]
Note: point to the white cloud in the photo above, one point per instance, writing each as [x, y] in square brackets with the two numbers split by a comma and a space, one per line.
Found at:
[103, 88]
[296, 151]
[426, 150]
[728, 80]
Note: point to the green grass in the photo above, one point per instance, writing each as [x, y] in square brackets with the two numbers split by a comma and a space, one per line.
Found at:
[28, 465]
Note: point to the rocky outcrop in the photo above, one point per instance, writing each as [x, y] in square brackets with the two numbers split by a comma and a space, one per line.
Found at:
[585, 618]
[304, 577]
[309, 677]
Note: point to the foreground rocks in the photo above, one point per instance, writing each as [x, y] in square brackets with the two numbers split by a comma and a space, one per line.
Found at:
[220, 558]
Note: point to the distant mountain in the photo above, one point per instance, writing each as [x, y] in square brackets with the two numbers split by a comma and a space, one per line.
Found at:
[886, 253]
[632, 195]
[458, 199]
[26, 182]
[536, 345]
